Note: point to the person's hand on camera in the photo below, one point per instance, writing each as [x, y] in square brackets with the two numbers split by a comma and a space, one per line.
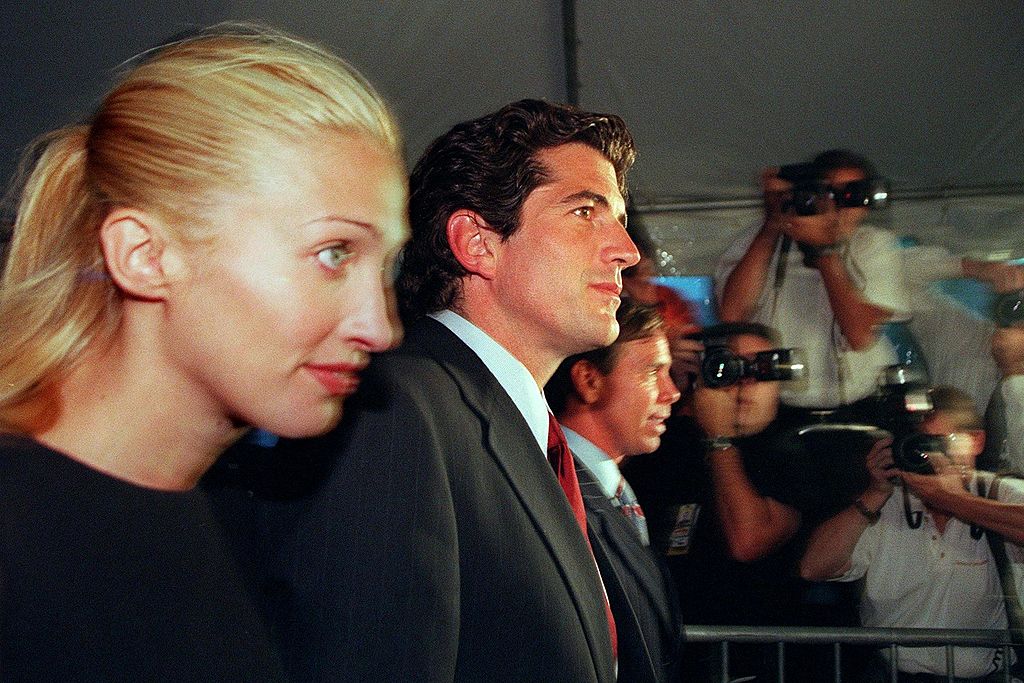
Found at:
[817, 231]
[715, 410]
[879, 464]
[685, 361]
[942, 489]
[773, 190]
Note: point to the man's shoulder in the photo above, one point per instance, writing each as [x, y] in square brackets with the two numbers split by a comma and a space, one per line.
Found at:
[430, 356]
[1010, 487]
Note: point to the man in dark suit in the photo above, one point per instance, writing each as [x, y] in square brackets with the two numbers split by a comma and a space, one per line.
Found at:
[612, 403]
[439, 544]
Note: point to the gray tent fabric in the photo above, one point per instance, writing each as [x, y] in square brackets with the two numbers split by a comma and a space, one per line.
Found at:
[932, 91]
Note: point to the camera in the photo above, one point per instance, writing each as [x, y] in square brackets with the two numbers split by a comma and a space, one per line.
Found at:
[811, 193]
[1008, 309]
[900, 405]
[720, 367]
[897, 410]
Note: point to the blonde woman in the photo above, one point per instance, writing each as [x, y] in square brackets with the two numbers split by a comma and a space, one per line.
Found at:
[210, 252]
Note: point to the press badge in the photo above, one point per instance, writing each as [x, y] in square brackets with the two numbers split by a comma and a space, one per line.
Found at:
[686, 520]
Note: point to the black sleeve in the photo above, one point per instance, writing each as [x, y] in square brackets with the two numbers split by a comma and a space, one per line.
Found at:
[818, 476]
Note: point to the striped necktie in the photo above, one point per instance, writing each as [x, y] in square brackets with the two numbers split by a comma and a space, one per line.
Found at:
[630, 507]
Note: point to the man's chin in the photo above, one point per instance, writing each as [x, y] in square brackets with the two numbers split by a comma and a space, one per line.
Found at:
[600, 336]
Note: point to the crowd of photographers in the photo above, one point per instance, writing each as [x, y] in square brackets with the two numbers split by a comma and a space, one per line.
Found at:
[803, 457]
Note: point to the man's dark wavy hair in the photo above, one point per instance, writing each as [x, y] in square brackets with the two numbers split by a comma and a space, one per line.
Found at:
[835, 159]
[489, 166]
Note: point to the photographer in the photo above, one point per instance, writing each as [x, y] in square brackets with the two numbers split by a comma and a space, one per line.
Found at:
[723, 496]
[679, 315]
[1004, 417]
[922, 553]
[825, 280]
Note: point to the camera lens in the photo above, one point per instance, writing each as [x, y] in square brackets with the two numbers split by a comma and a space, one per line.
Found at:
[1008, 309]
[873, 192]
[778, 365]
[853, 194]
[911, 453]
[720, 368]
[804, 201]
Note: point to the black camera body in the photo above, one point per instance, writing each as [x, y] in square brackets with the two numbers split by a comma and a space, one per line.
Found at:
[899, 407]
[896, 410]
[811, 193]
[720, 367]
[1008, 309]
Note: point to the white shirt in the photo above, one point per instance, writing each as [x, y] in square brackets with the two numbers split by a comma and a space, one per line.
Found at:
[1012, 389]
[801, 312]
[920, 578]
[511, 374]
[597, 461]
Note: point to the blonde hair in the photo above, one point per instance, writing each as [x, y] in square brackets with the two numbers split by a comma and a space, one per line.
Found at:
[186, 121]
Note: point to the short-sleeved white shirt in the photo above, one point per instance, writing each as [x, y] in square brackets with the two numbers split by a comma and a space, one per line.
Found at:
[799, 309]
[1012, 391]
[919, 578]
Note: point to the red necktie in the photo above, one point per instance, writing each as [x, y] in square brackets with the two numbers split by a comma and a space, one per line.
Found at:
[561, 461]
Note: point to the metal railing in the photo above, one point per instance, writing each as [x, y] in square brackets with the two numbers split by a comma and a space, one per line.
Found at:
[890, 638]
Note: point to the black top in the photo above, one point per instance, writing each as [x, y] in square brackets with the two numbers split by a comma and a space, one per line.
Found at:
[103, 580]
[674, 488]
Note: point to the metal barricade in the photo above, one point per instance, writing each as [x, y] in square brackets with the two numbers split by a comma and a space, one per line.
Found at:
[837, 637]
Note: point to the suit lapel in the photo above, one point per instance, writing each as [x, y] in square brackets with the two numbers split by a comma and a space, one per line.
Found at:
[512, 446]
[617, 529]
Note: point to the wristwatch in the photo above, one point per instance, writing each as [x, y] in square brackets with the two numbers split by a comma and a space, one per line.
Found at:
[871, 515]
[717, 443]
[813, 253]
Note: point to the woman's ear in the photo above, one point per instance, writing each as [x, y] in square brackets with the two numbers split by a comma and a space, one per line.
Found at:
[473, 242]
[137, 252]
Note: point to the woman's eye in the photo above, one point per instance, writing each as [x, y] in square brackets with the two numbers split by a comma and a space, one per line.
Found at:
[333, 257]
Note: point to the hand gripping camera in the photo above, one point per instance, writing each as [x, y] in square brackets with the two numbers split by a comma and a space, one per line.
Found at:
[811, 193]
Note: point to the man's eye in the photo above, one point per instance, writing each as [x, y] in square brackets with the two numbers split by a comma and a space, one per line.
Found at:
[584, 211]
[333, 257]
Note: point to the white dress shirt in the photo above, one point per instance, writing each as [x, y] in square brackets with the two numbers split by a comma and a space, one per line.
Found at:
[511, 374]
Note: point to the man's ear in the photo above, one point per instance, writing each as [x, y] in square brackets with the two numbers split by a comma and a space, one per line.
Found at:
[135, 248]
[587, 380]
[473, 242]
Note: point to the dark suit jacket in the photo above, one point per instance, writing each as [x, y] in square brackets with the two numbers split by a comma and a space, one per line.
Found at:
[640, 590]
[436, 543]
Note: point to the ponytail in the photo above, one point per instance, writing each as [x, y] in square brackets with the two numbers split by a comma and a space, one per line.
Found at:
[55, 297]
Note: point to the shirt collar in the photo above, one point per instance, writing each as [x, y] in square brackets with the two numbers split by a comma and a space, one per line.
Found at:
[595, 460]
[511, 374]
